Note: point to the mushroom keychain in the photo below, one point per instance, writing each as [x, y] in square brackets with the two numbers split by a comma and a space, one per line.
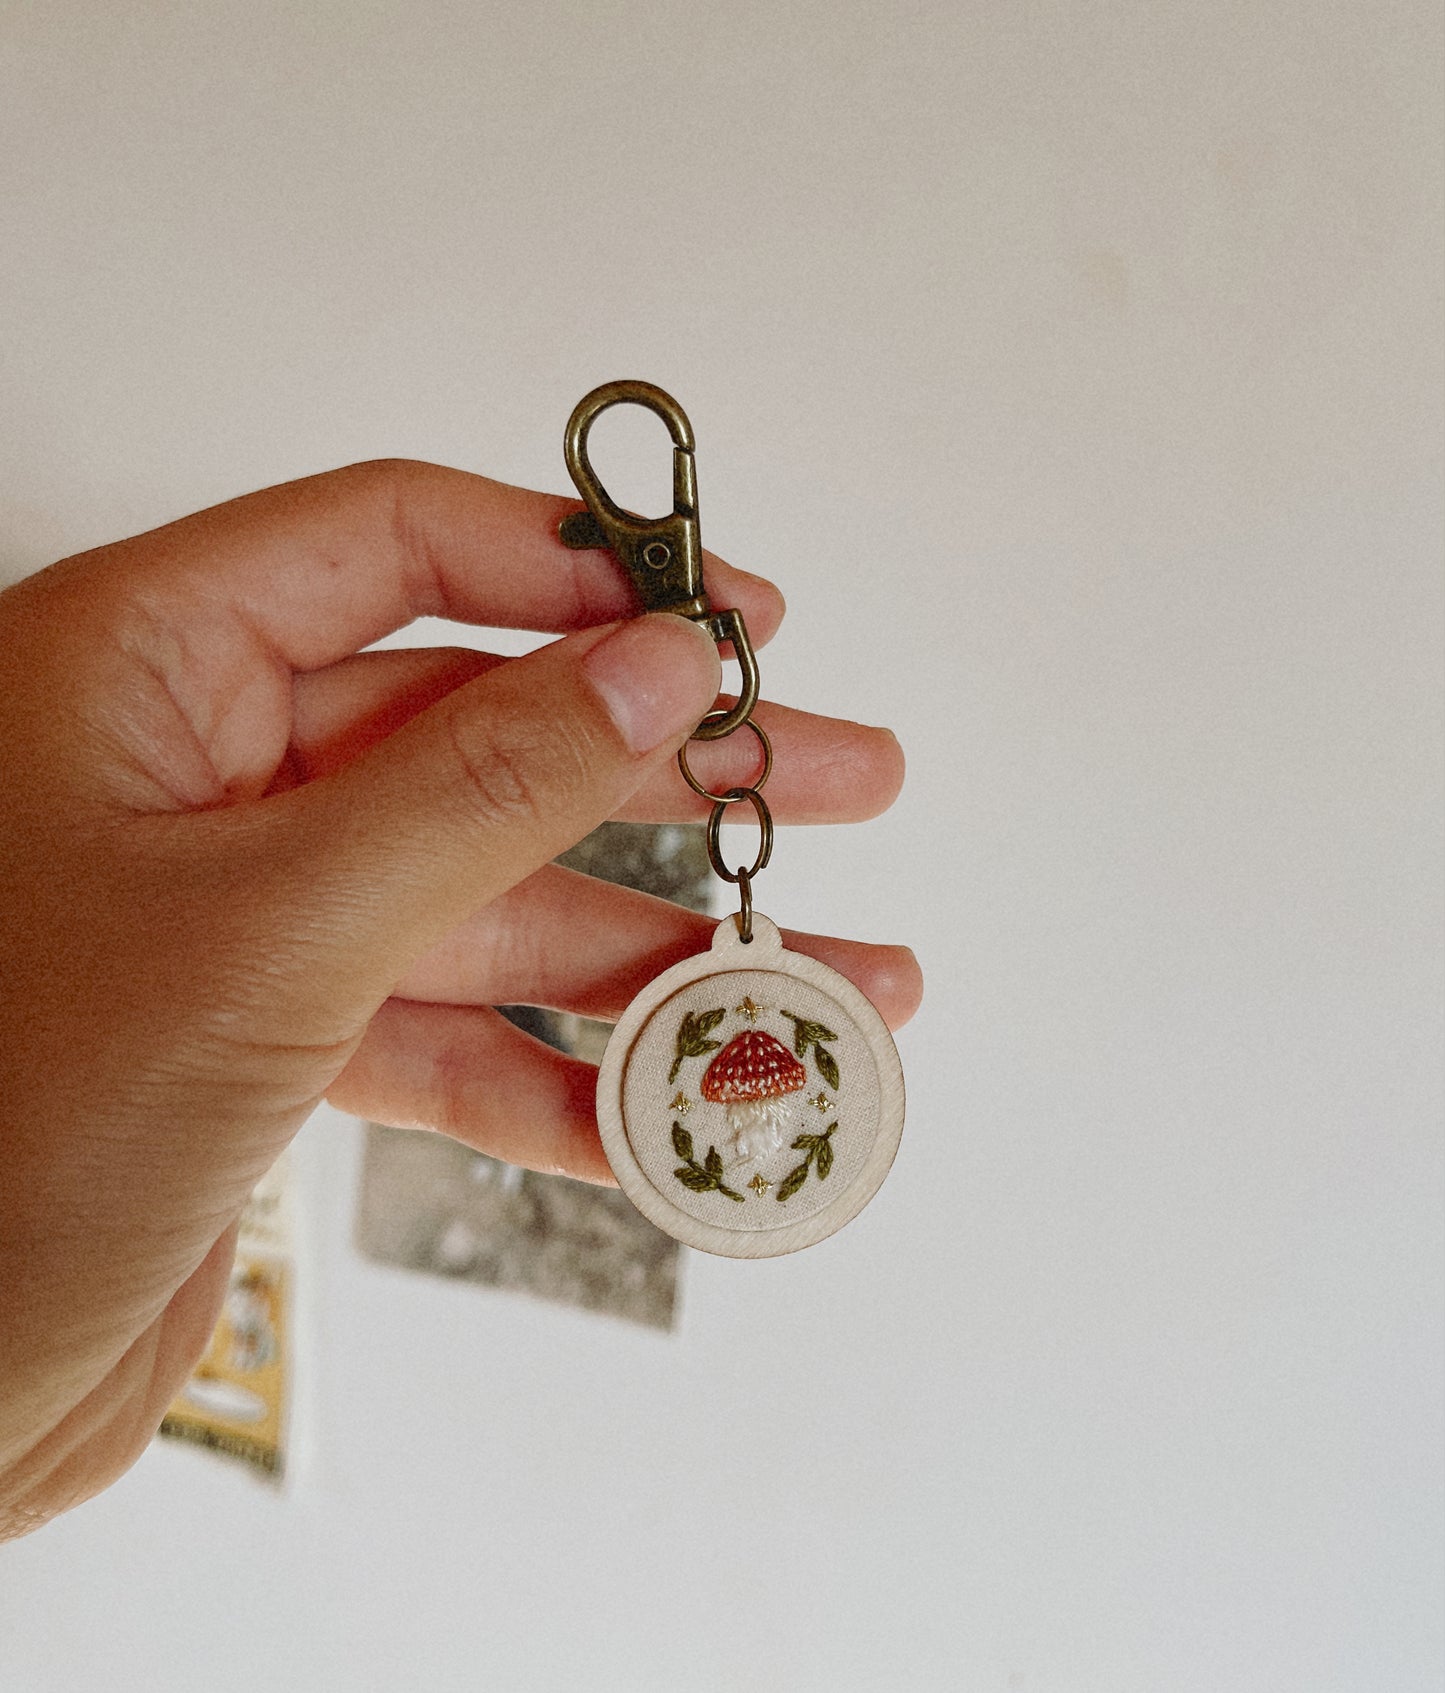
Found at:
[750, 1099]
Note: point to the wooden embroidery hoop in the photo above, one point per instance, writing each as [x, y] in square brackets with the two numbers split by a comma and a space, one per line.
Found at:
[728, 953]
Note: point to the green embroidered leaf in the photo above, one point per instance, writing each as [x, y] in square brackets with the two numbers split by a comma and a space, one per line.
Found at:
[825, 1158]
[805, 1143]
[806, 1034]
[800, 1034]
[792, 1181]
[807, 1031]
[681, 1141]
[705, 1177]
[692, 1041]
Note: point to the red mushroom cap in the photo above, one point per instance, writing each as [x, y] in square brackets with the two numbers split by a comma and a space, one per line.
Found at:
[753, 1066]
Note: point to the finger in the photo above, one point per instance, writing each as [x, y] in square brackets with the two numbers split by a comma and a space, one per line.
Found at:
[323, 566]
[340, 711]
[469, 1073]
[575, 943]
[352, 877]
[826, 770]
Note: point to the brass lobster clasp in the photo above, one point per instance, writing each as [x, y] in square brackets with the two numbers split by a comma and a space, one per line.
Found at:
[662, 556]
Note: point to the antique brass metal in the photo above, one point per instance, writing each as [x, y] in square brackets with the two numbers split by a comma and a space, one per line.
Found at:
[662, 556]
[734, 794]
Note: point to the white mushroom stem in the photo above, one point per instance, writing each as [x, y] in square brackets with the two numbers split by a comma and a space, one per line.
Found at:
[759, 1126]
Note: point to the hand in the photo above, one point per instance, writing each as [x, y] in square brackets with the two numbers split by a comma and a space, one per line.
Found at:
[248, 866]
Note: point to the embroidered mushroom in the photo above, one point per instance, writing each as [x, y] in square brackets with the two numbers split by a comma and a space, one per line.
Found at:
[752, 1076]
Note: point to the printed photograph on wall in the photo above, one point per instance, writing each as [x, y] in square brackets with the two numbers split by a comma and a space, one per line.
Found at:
[237, 1400]
[430, 1204]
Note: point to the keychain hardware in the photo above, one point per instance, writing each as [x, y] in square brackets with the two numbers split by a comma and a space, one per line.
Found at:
[732, 795]
[765, 826]
[663, 556]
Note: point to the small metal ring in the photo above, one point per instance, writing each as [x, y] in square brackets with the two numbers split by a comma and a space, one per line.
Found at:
[745, 912]
[732, 795]
[714, 829]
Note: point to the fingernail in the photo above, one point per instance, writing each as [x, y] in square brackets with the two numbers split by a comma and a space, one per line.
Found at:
[656, 675]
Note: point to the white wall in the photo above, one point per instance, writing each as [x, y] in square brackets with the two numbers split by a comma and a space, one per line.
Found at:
[1075, 369]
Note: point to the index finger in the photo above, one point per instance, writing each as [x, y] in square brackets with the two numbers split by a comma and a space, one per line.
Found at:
[324, 566]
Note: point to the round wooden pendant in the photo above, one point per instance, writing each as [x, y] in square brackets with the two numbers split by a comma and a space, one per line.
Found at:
[750, 1099]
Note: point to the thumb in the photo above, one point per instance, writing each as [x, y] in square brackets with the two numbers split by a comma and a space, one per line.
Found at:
[380, 859]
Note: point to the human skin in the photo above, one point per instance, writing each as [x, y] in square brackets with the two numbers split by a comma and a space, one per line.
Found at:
[248, 867]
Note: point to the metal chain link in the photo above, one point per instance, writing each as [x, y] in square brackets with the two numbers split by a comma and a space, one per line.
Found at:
[742, 877]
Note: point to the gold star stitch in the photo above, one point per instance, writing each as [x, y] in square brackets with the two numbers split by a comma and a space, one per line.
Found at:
[749, 1010]
[821, 1102]
[760, 1184]
[682, 1104]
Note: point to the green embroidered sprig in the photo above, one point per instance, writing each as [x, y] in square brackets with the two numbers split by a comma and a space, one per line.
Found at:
[707, 1176]
[818, 1150]
[692, 1041]
[807, 1033]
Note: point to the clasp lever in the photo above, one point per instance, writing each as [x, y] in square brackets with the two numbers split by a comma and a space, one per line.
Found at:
[663, 556]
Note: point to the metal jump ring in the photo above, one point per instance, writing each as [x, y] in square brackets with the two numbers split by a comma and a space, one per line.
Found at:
[714, 831]
[732, 795]
[745, 911]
